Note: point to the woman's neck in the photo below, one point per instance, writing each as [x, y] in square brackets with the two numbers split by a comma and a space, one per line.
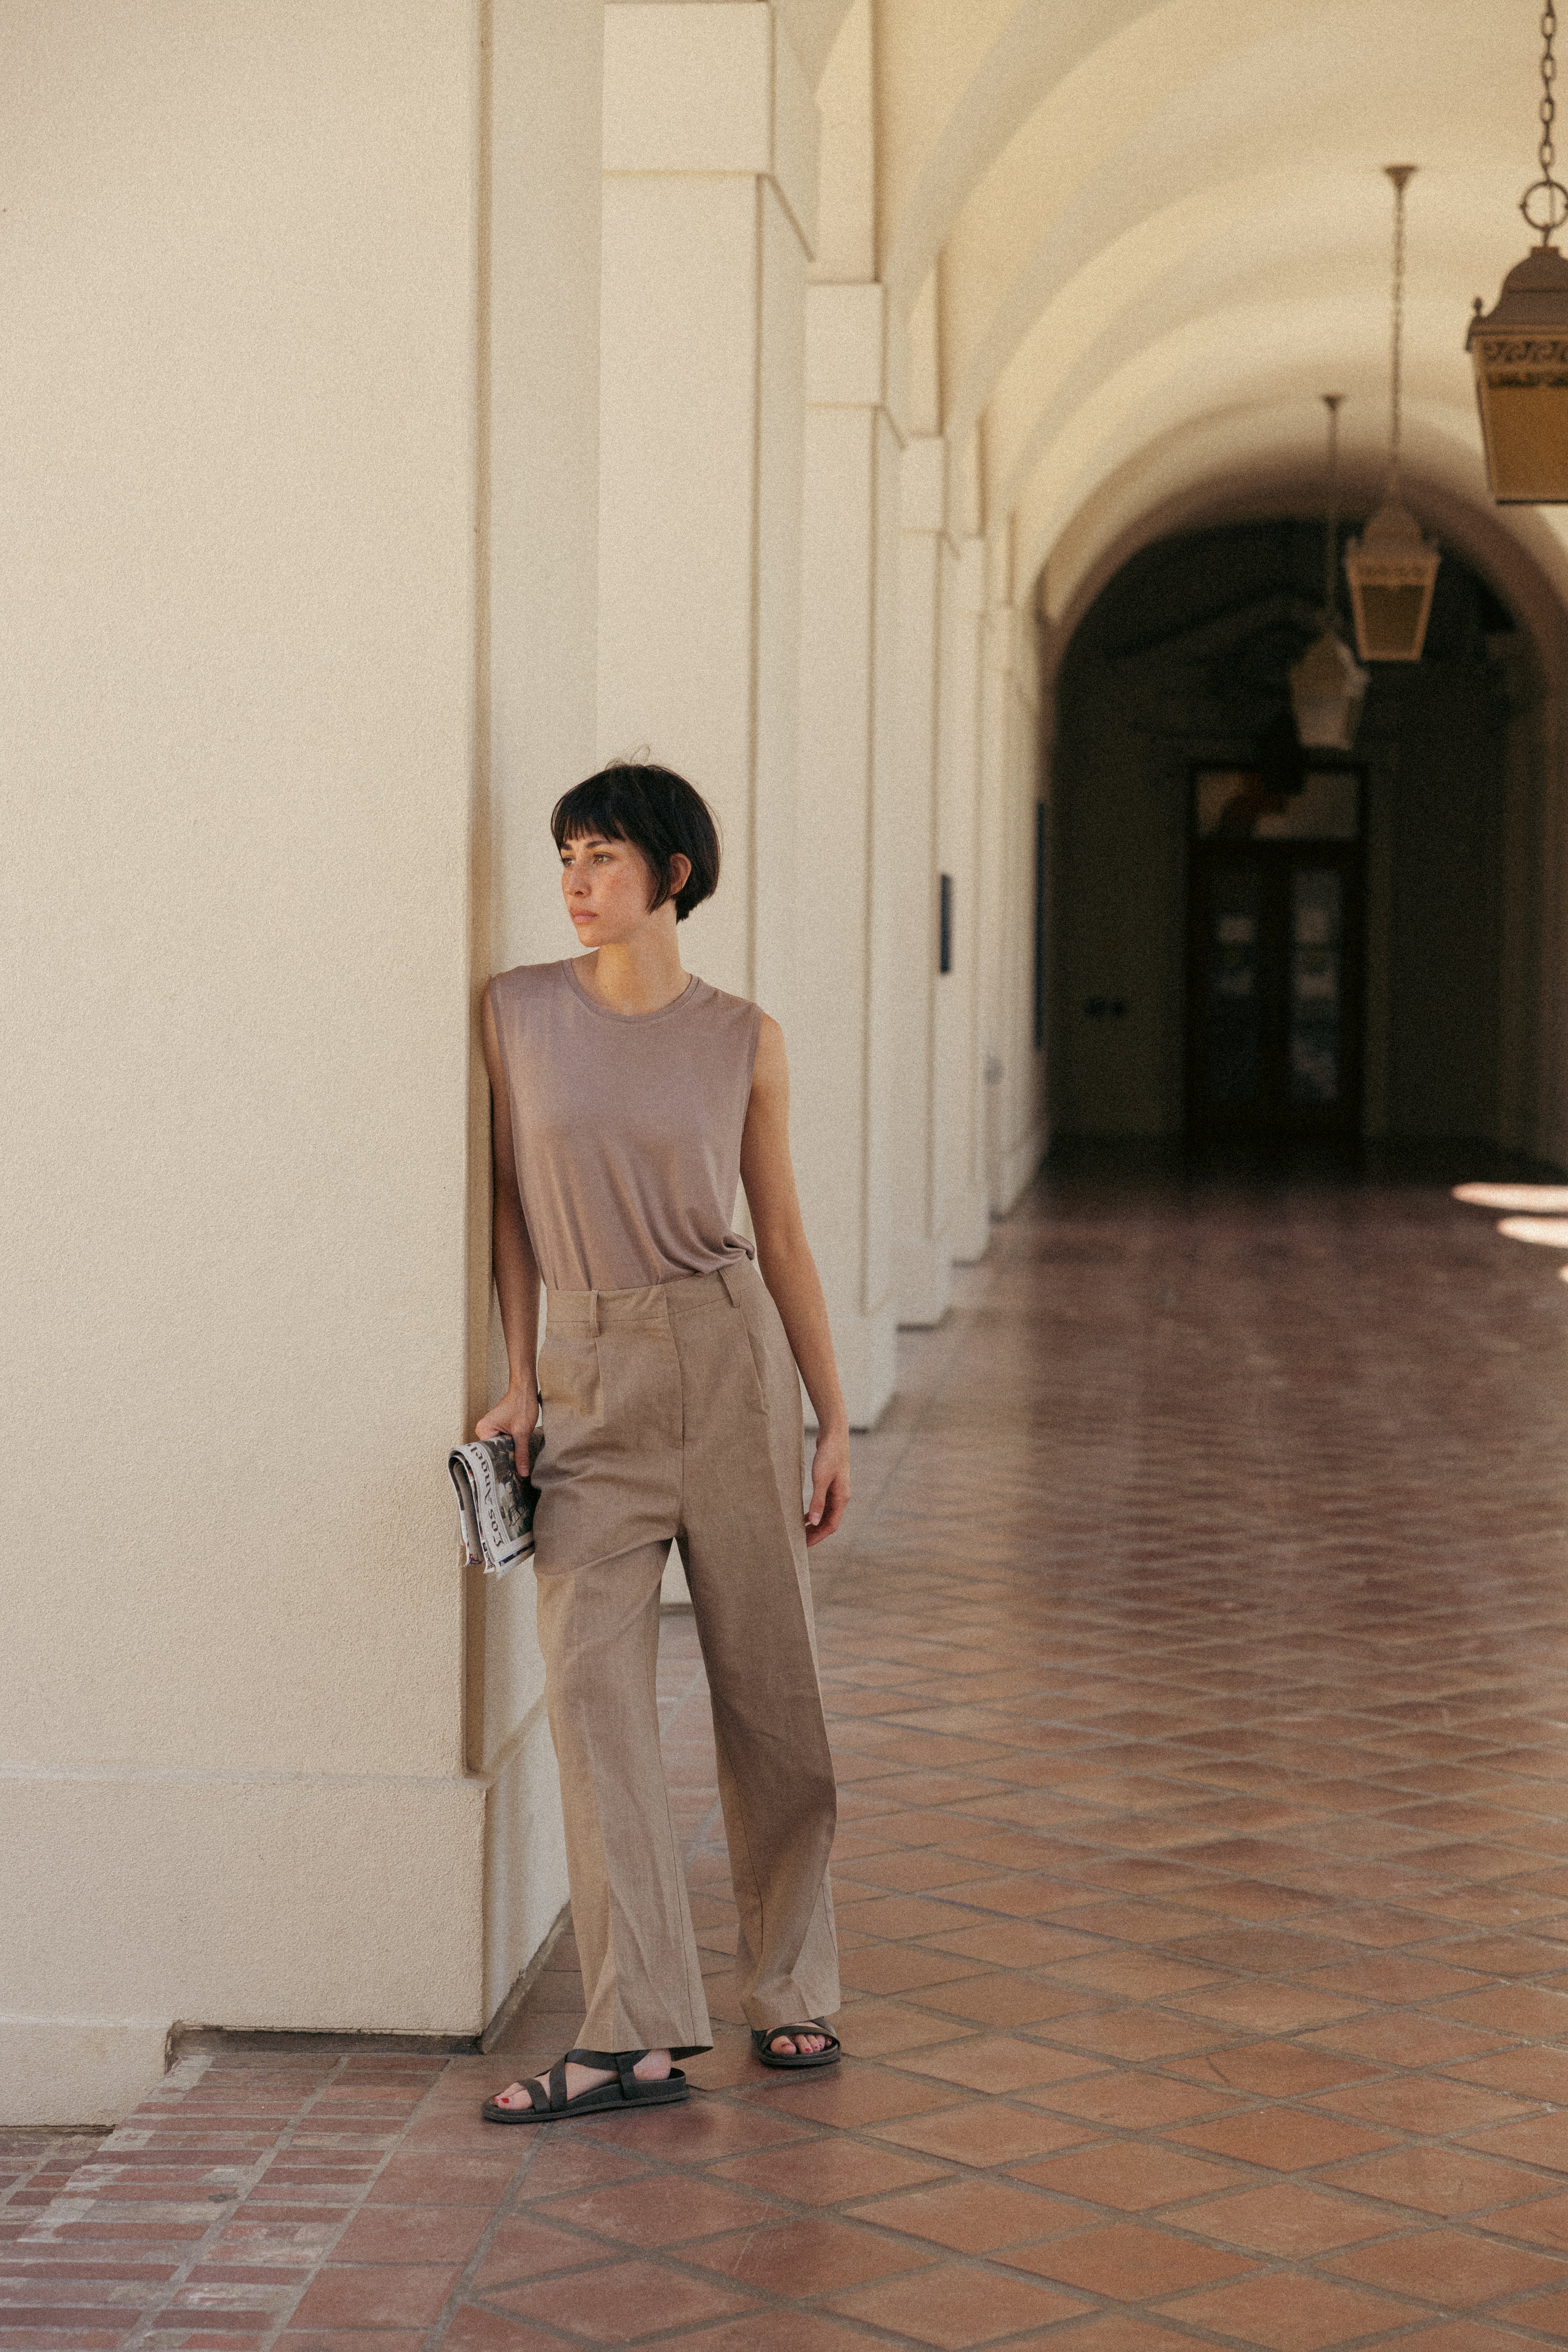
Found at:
[636, 975]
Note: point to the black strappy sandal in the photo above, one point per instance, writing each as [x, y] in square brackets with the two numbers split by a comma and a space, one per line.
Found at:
[763, 2036]
[605, 2099]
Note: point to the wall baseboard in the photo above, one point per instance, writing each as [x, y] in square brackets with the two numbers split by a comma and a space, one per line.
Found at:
[69, 2074]
[502, 2021]
[969, 1227]
[259, 1902]
[922, 1282]
[1018, 1169]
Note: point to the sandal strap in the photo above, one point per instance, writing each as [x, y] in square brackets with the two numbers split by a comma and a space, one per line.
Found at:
[623, 2062]
[764, 2036]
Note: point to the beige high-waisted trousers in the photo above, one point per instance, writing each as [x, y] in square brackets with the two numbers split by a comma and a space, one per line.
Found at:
[674, 1412]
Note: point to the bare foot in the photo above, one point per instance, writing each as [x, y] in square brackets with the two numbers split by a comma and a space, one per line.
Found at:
[653, 2068]
[805, 2040]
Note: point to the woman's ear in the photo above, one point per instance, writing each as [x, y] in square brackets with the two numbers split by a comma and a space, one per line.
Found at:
[679, 874]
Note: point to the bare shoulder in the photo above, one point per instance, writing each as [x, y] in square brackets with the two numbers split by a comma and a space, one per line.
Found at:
[770, 1072]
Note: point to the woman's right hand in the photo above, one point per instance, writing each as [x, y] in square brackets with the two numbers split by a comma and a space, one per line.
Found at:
[514, 1417]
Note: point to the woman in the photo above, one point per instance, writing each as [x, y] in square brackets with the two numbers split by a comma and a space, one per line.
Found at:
[628, 1100]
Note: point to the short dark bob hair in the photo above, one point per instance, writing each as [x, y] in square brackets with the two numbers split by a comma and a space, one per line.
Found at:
[659, 814]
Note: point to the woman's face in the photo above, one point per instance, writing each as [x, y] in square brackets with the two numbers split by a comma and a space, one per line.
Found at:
[607, 885]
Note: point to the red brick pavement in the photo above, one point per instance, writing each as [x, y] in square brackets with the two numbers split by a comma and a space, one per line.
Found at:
[1196, 1673]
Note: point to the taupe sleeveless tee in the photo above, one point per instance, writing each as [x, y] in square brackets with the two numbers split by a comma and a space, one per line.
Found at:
[627, 1127]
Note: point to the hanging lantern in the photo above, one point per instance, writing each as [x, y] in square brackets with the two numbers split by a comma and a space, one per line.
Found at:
[1328, 687]
[1391, 569]
[1520, 350]
[1328, 684]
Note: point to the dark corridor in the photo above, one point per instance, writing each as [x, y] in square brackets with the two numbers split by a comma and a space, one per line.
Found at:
[1393, 997]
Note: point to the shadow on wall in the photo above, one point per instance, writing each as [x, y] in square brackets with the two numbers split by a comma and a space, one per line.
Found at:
[1180, 662]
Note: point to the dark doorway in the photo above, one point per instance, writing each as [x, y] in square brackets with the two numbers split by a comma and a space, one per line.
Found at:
[1180, 668]
[1275, 928]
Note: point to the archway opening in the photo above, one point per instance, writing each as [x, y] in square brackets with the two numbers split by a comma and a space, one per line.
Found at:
[1348, 948]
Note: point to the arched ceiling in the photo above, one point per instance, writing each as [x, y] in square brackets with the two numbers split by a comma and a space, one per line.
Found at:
[1159, 232]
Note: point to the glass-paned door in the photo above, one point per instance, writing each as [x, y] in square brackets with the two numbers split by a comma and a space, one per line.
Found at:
[1317, 984]
[1233, 1009]
[1274, 967]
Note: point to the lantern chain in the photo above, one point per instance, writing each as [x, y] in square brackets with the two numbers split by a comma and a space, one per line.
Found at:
[1551, 212]
[1548, 102]
[1331, 538]
[1399, 173]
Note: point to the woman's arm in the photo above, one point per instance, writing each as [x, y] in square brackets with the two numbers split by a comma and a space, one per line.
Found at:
[516, 1274]
[786, 1266]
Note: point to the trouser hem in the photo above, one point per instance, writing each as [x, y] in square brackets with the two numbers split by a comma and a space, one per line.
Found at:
[760, 2014]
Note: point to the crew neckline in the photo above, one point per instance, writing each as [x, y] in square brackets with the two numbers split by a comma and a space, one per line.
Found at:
[607, 1012]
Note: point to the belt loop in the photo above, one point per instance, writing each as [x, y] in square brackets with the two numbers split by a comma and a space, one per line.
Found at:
[593, 1315]
[729, 1278]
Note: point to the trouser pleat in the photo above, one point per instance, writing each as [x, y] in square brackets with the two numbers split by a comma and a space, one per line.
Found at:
[642, 1980]
[681, 1417]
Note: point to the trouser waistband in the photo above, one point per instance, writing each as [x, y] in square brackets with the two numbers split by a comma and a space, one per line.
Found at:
[584, 1314]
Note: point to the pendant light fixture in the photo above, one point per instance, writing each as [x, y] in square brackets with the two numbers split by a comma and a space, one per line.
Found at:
[1328, 684]
[1520, 350]
[1392, 570]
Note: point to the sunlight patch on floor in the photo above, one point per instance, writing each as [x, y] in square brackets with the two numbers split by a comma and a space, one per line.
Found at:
[1544, 1199]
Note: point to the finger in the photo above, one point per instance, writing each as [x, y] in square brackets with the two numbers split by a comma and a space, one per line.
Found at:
[820, 1533]
[837, 1504]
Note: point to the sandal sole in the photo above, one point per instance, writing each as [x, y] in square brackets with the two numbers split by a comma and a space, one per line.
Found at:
[574, 2110]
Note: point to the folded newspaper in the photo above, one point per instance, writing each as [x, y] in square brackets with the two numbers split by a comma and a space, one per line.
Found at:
[495, 1506]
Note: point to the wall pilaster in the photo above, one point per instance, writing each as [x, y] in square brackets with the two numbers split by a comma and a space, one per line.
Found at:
[710, 155]
[848, 826]
[922, 1255]
[960, 1055]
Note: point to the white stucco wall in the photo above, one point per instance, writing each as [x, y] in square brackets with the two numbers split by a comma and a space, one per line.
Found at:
[237, 445]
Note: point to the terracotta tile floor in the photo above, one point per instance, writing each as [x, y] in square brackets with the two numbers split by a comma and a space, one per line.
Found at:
[1198, 1666]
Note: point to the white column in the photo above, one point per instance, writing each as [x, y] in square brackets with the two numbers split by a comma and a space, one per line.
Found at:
[964, 1203]
[1551, 1105]
[1016, 1083]
[844, 1050]
[923, 1256]
[994, 941]
[538, 621]
[540, 464]
[1010, 767]
[710, 155]
[237, 741]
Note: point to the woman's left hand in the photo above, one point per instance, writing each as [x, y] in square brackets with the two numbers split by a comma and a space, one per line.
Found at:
[829, 1485]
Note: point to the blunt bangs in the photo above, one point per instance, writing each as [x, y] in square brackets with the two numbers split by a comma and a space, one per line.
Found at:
[659, 814]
